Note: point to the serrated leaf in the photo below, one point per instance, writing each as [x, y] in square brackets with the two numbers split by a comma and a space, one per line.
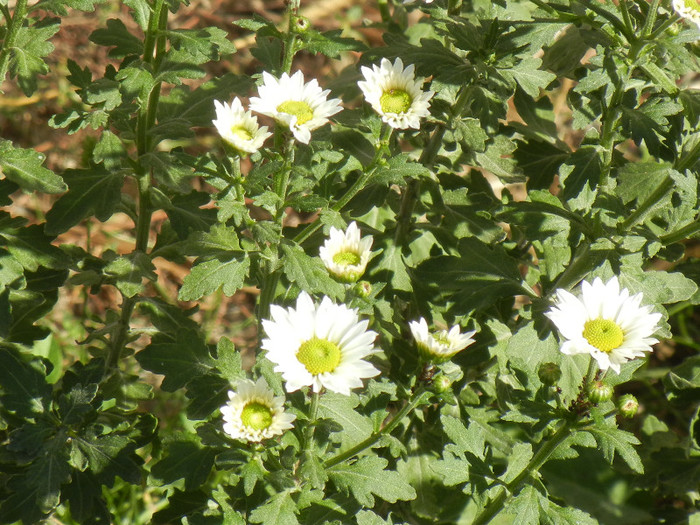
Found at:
[341, 409]
[204, 44]
[48, 472]
[330, 43]
[110, 456]
[109, 151]
[24, 390]
[308, 272]
[528, 75]
[579, 176]
[127, 273]
[366, 478]
[24, 167]
[30, 47]
[117, 36]
[612, 440]
[91, 192]
[185, 459]
[186, 213]
[32, 249]
[280, 508]
[399, 168]
[85, 499]
[225, 271]
[180, 361]
[228, 360]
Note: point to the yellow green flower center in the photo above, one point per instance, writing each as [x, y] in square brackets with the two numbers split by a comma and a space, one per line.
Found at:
[441, 338]
[395, 101]
[346, 258]
[241, 133]
[693, 4]
[319, 355]
[256, 416]
[300, 109]
[604, 334]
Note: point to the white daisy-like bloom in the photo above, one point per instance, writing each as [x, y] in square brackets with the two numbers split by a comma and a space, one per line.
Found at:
[412, 1]
[440, 346]
[688, 9]
[302, 107]
[254, 413]
[346, 254]
[604, 322]
[396, 94]
[321, 346]
[239, 128]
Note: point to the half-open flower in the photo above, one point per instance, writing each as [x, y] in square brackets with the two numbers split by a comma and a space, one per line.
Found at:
[396, 94]
[322, 346]
[346, 254]
[239, 128]
[604, 322]
[440, 346]
[302, 107]
[254, 413]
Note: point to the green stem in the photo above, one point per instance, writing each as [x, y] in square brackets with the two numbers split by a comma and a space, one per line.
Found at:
[685, 232]
[384, 11]
[290, 42]
[418, 396]
[454, 7]
[593, 6]
[689, 159]
[427, 159]
[311, 426]
[664, 26]
[626, 16]
[539, 459]
[651, 202]
[359, 183]
[281, 178]
[14, 24]
[651, 18]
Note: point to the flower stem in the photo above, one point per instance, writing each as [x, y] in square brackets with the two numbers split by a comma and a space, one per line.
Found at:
[384, 11]
[685, 232]
[290, 42]
[359, 183]
[418, 396]
[644, 209]
[311, 426]
[427, 159]
[539, 459]
[651, 18]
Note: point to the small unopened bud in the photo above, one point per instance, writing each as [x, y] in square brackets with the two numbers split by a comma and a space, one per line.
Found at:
[549, 373]
[628, 405]
[599, 392]
[442, 383]
[363, 289]
[303, 24]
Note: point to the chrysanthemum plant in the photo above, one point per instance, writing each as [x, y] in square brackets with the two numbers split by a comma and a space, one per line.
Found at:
[461, 245]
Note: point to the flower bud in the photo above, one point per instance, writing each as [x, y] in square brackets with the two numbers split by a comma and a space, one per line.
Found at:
[442, 383]
[599, 392]
[549, 373]
[363, 289]
[628, 405]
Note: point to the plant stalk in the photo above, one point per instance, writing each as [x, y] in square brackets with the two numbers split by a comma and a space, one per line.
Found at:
[418, 396]
[533, 467]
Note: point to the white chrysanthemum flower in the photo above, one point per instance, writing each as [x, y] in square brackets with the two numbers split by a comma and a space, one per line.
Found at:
[254, 413]
[688, 9]
[412, 1]
[239, 128]
[346, 254]
[395, 93]
[605, 322]
[299, 106]
[319, 345]
[440, 346]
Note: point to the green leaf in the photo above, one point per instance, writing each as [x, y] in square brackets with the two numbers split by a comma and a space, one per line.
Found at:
[85, 499]
[530, 77]
[179, 361]
[579, 176]
[330, 43]
[185, 459]
[48, 472]
[23, 387]
[229, 360]
[26, 56]
[308, 273]
[341, 409]
[208, 276]
[280, 508]
[32, 249]
[399, 168]
[24, 167]
[204, 44]
[498, 159]
[186, 214]
[367, 478]
[526, 506]
[75, 404]
[109, 151]
[110, 456]
[127, 273]
[612, 440]
[116, 35]
[91, 192]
